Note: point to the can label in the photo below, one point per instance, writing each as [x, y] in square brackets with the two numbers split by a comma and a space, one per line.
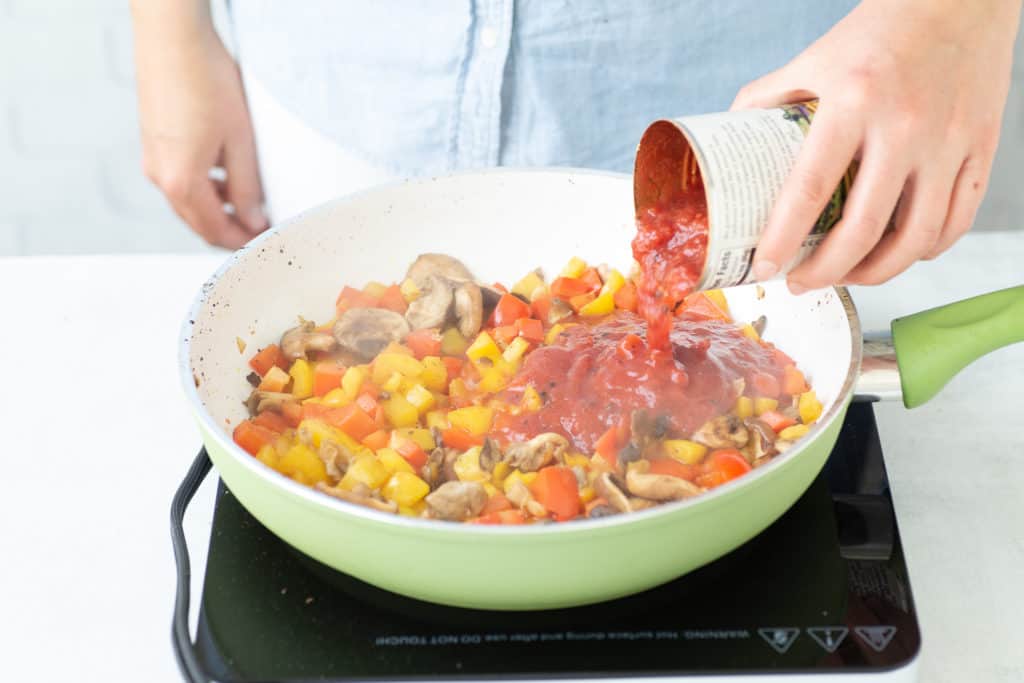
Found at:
[743, 158]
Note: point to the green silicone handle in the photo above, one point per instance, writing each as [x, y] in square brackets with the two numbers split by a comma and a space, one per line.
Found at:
[934, 345]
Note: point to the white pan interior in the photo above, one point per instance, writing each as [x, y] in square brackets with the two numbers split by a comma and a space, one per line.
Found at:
[501, 223]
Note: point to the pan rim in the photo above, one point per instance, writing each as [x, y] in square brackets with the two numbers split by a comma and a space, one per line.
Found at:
[333, 505]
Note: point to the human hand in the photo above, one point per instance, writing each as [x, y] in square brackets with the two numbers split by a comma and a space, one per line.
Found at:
[193, 118]
[914, 90]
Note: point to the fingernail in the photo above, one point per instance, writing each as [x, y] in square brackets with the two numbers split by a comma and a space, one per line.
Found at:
[256, 220]
[796, 288]
[765, 270]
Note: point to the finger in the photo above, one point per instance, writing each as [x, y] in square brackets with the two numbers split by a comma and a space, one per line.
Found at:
[771, 89]
[831, 144]
[919, 220]
[244, 190]
[968, 191]
[199, 205]
[867, 212]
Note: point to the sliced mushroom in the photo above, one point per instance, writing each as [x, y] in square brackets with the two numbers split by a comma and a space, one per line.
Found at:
[433, 469]
[457, 500]
[490, 455]
[658, 487]
[724, 431]
[359, 498]
[334, 456]
[490, 298]
[560, 310]
[298, 340]
[441, 265]
[631, 452]
[434, 304]
[762, 440]
[539, 451]
[782, 445]
[606, 488]
[602, 510]
[469, 309]
[259, 401]
[519, 495]
[365, 331]
[759, 325]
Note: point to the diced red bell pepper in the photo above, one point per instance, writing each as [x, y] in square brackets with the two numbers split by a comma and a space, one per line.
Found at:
[424, 343]
[252, 437]
[776, 420]
[497, 503]
[505, 333]
[592, 279]
[453, 365]
[393, 300]
[541, 307]
[607, 446]
[291, 411]
[326, 376]
[578, 302]
[459, 439]
[271, 421]
[531, 329]
[411, 451]
[351, 297]
[352, 420]
[377, 440]
[568, 287]
[267, 358]
[509, 309]
[728, 463]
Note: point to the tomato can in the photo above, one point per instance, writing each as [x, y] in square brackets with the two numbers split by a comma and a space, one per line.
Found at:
[741, 159]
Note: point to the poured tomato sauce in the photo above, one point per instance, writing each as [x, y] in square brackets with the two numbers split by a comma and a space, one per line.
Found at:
[671, 247]
[595, 375]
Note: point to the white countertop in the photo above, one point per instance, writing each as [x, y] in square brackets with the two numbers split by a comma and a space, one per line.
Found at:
[98, 437]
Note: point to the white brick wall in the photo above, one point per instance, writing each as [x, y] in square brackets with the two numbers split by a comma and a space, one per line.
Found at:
[69, 156]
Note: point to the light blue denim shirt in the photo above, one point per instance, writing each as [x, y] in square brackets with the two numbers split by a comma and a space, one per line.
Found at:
[430, 86]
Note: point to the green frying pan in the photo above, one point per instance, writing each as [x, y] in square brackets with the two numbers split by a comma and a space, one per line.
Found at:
[503, 223]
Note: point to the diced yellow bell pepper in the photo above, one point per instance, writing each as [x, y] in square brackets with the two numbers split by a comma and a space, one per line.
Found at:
[457, 389]
[393, 461]
[336, 398]
[405, 488]
[484, 352]
[400, 412]
[809, 407]
[300, 460]
[689, 452]
[744, 407]
[435, 374]
[375, 289]
[532, 401]
[514, 476]
[717, 297]
[574, 268]
[400, 349]
[501, 470]
[453, 343]
[302, 378]
[553, 333]
[763, 405]
[612, 283]
[577, 460]
[437, 419]
[749, 331]
[474, 419]
[490, 488]
[365, 469]
[410, 292]
[793, 432]
[467, 466]
[393, 384]
[604, 304]
[587, 494]
[412, 510]
[388, 363]
[515, 350]
[284, 442]
[276, 379]
[420, 397]
[353, 380]
[492, 380]
[421, 437]
[318, 430]
[530, 282]
[268, 455]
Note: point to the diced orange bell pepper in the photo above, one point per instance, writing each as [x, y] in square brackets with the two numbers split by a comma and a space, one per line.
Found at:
[541, 307]
[326, 376]
[592, 279]
[368, 402]
[267, 358]
[393, 300]
[509, 309]
[531, 329]
[505, 333]
[411, 451]
[568, 287]
[793, 381]
[352, 420]
[776, 420]
[291, 411]
[271, 421]
[607, 446]
[377, 440]
[354, 298]
[728, 462]
[497, 503]
[556, 489]
[578, 302]
[252, 437]
[459, 439]
[453, 365]
[626, 298]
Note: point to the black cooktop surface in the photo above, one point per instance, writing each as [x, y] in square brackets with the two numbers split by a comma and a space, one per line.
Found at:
[824, 589]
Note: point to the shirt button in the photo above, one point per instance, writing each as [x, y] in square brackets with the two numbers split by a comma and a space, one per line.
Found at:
[488, 37]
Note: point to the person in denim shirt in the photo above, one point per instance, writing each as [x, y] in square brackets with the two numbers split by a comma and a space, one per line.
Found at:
[323, 98]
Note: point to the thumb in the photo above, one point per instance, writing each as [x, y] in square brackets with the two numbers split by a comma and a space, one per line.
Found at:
[244, 189]
[782, 86]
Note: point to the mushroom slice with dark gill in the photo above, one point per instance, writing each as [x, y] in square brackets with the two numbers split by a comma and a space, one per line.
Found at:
[434, 304]
[658, 487]
[761, 443]
[490, 455]
[457, 500]
[440, 265]
[469, 308]
[358, 497]
[607, 488]
[724, 431]
[541, 450]
[259, 401]
[298, 340]
[519, 495]
[365, 331]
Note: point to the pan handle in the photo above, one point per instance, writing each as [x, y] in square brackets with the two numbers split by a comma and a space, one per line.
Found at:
[931, 347]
